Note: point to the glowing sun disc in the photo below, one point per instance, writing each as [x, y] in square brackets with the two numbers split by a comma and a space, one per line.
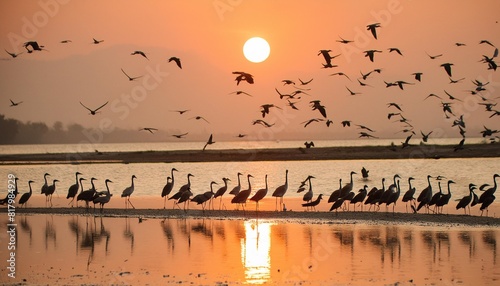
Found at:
[256, 50]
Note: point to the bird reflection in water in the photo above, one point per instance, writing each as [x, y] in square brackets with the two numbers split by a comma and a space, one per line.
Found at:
[255, 251]
[129, 234]
[50, 232]
[489, 239]
[26, 227]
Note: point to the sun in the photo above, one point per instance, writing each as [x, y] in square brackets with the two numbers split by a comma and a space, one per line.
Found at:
[256, 49]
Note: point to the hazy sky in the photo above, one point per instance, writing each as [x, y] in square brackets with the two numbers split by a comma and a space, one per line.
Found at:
[208, 37]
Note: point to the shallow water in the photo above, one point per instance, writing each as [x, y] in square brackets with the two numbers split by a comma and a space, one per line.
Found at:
[151, 177]
[76, 250]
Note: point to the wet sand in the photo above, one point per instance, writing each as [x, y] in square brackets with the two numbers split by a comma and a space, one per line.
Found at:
[284, 154]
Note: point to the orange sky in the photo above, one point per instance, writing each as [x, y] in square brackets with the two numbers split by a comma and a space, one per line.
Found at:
[208, 37]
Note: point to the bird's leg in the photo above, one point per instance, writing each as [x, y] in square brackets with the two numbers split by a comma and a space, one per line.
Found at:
[164, 202]
[130, 203]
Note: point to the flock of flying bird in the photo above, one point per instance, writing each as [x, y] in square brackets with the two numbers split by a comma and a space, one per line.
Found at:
[340, 198]
[301, 88]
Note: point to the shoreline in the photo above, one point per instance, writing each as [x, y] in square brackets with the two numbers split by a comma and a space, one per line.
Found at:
[278, 154]
[368, 217]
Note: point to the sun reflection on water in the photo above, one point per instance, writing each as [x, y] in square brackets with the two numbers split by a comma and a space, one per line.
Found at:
[255, 251]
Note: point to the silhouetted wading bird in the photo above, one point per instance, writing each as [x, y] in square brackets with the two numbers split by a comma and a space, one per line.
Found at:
[444, 199]
[242, 196]
[182, 189]
[128, 192]
[314, 203]
[425, 196]
[221, 191]
[237, 188]
[26, 196]
[104, 198]
[45, 185]
[309, 194]
[360, 197]
[202, 199]
[87, 195]
[465, 201]
[259, 195]
[408, 196]
[50, 191]
[280, 192]
[73, 189]
[167, 189]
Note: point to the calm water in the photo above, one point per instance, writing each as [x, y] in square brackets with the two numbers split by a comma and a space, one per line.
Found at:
[76, 250]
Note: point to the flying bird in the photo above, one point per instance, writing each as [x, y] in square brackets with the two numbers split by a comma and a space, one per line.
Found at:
[65, 41]
[12, 103]
[395, 50]
[34, 45]
[13, 55]
[238, 92]
[151, 130]
[364, 127]
[352, 92]
[341, 73]
[373, 28]
[243, 76]
[447, 68]
[179, 136]
[343, 41]
[346, 123]
[209, 142]
[181, 111]
[130, 78]
[418, 76]
[95, 42]
[371, 53]
[307, 122]
[364, 134]
[262, 122]
[94, 111]
[140, 53]
[394, 105]
[176, 60]
[287, 81]
[434, 57]
[305, 82]
[199, 117]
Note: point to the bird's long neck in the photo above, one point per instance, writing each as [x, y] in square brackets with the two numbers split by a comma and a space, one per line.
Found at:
[107, 188]
[76, 178]
[495, 182]
[383, 185]
[340, 184]
[172, 175]
[239, 181]
[189, 181]
[409, 183]
[211, 187]
[286, 179]
[92, 183]
[81, 185]
[45, 178]
[439, 185]
[266, 181]
[351, 178]
[429, 181]
[29, 184]
[449, 191]
[249, 184]
[132, 185]
[310, 185]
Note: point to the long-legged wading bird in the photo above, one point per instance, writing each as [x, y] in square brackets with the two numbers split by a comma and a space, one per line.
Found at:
[182, 189]
[94, 111]
[394, 196]
[221, 191]
[489, 192]
[104, 198]
[45, 185]
[280, 192]
[202, 199]
[167, 189]
[26, 196]
[50, 191]
[128, 192]
[334, 196]
[313, 204]
[259, 195]
[87, 195]
[237, 188]
[308, 196]
[360, 197]
[73, 189]
[465, 201]
[9, 196]
[409, 195]
[445, 198]
[425, 195]
[242, 196]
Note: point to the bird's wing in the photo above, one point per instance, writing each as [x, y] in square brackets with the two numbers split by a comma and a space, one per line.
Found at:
[126, 74]
[101, 106]
[86, 107]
